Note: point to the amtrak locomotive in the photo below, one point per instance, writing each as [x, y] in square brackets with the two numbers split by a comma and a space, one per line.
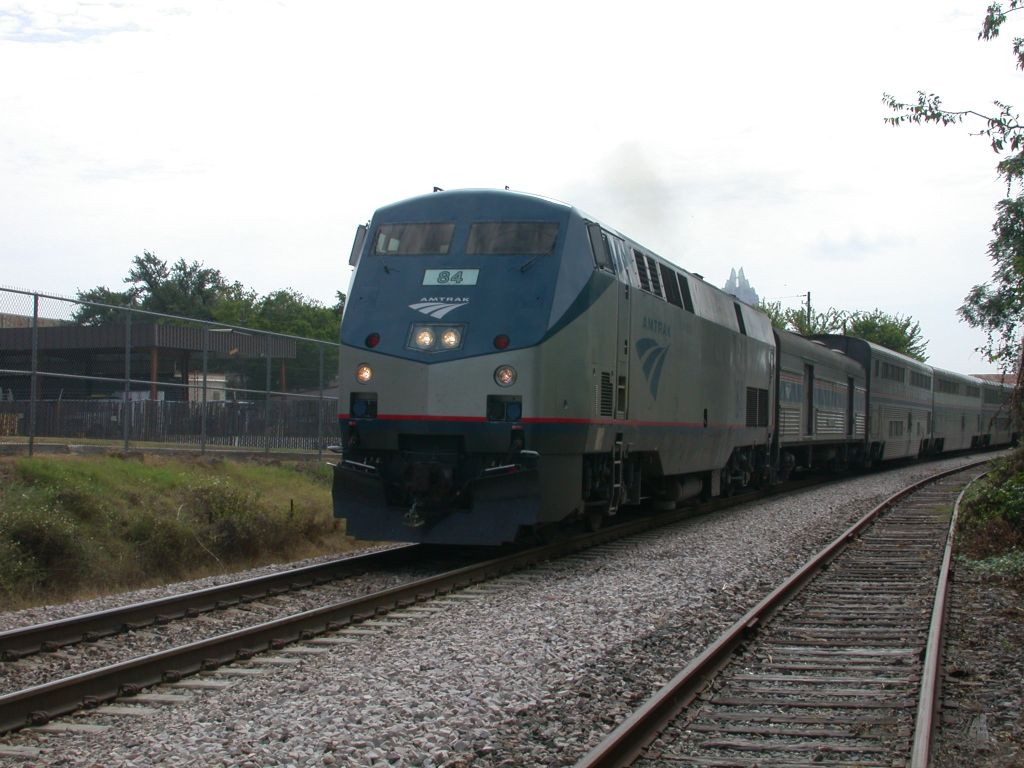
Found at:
[509, 363]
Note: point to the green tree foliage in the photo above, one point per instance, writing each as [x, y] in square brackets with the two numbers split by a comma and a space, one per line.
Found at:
[188, 290]
[92, 314]
[797, 320]
[896, 332]
[194, 291]
[183, 289]
[776, 313]
[997, 307]
[829, 321]
[288, 311]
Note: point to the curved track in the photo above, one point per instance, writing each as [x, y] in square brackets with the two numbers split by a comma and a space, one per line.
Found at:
[836, 676]
[43, 702]
[39, 704]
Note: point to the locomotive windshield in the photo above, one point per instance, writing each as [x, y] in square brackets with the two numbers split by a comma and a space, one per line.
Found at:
[414, 239]
[529, 238]
[486, 238]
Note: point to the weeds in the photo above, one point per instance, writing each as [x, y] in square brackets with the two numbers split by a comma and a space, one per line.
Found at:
[76, 525]
[992, 521]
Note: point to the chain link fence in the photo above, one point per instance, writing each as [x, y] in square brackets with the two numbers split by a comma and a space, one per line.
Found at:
[81, 372]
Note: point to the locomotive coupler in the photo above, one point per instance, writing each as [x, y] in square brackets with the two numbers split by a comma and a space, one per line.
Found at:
[413, 518]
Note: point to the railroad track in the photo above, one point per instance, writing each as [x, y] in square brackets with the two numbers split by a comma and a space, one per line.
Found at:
[835, 678]
[43, 702]
[18, 643]
[39, 704]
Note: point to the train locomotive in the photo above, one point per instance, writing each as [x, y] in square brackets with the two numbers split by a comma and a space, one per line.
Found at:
[509, 363]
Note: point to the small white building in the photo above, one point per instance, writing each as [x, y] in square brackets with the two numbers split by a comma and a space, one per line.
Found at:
[216, 387]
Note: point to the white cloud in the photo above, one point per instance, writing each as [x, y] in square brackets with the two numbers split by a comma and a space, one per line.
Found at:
[255, 136]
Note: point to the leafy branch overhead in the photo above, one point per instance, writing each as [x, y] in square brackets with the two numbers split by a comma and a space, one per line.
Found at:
[997, 307]
[1004, 131]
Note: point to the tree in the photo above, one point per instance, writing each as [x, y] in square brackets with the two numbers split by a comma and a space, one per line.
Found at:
[775, 311]
[198, 292]
[89, 314]
[829, 321]
[195, 291]
[997, 307]
[895, 332]
[188, 290]
[288, 311]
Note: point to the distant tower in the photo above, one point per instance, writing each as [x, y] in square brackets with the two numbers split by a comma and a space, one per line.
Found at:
[740, 287]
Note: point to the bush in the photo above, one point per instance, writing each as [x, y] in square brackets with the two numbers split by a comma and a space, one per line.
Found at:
[160, 544]
[19, 573]
[992, 519]
[50, 543]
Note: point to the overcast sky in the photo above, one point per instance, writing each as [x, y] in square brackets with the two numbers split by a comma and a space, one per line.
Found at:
[255, 136]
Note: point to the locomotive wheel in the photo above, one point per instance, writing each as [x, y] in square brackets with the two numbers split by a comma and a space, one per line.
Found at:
[594, 519]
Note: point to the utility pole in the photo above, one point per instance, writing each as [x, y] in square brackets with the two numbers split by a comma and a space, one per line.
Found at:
[809, 311]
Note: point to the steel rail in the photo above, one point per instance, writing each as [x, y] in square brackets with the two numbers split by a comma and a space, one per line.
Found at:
[927, 707]
[624, 744]
[48, 636]
[23, 641]
[43, 702]
[37, 705]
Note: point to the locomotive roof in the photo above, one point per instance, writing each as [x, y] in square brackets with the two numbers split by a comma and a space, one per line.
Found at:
[467, 199]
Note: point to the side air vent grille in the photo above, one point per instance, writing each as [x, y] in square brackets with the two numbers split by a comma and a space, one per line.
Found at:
[757, 407]
[605, 395]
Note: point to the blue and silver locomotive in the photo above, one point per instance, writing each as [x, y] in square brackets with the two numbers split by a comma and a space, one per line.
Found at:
[509, 363]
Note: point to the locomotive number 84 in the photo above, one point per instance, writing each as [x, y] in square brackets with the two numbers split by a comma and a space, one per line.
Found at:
[509, 363]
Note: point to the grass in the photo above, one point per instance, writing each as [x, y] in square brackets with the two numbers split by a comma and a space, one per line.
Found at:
[75, 526]
[992, 522]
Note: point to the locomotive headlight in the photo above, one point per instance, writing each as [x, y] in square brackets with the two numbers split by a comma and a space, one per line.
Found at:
[451, 338]
[435, 338]
[364, 373]
[424, 338]
[505, 376]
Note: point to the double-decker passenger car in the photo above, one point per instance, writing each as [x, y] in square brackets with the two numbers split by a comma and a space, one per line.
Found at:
[899, 394]
[822, 397]
[956, 412]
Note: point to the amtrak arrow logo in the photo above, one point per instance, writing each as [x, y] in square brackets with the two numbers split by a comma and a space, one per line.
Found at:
[652, 359]
[437, 309]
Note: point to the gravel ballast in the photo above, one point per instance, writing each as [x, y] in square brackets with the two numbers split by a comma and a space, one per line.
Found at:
[530, 669]
[983, 689]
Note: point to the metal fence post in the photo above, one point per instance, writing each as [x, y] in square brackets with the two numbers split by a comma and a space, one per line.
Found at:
[202, 406]
[126, 405]
[34, 387]
[89, 380]
[320, 410]
[266, 402]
